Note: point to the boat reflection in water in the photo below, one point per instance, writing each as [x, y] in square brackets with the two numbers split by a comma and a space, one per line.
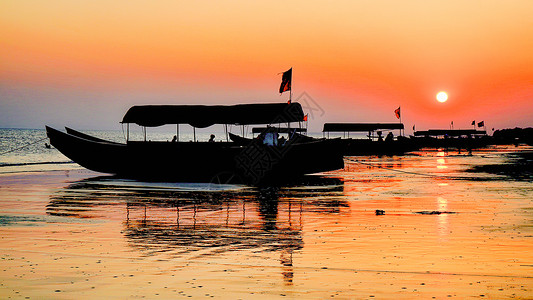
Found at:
[201, 220]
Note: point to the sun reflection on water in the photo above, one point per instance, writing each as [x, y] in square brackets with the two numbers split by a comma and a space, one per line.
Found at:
[441, 163]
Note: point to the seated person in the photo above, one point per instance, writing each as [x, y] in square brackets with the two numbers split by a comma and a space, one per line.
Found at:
[271, 139]
[212, 138]
[380, 136]
[389, 137]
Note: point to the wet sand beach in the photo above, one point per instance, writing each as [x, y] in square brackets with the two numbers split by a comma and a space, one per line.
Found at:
[447, 231]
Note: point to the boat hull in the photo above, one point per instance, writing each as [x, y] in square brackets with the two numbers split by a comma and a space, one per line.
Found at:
[199, 161]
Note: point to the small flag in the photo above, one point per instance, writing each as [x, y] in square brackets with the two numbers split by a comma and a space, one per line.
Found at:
[286, 81]
[397, 112]
[481, 124]
[474, 123]
[305, 118]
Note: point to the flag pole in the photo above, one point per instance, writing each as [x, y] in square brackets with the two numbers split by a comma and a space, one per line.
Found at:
[401, 119]
[290, 91]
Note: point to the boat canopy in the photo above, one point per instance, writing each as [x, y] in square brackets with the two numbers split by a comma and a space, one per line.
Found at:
[276, 129]
[449, 132]
[361, 127]
[202, 116]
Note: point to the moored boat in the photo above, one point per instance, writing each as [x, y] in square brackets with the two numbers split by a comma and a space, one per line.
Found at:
[374, 143]
[466, 139]
[255, 163]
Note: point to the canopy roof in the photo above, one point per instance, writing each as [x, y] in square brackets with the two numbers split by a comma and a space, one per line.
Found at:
[449, 132]
[345, 127]
[204, 116]
[276, 129]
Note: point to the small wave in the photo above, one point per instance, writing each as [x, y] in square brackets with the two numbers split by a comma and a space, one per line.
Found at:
[35, 163]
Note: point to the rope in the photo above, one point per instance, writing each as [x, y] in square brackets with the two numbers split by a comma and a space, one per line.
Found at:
[400, 171]
[421, 174]
[24, 146]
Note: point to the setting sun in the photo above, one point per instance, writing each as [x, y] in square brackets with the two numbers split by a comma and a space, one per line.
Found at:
[442, 97]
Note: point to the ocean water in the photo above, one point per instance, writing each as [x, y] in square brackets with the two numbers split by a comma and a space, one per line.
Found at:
[453, 225]
[24, 150]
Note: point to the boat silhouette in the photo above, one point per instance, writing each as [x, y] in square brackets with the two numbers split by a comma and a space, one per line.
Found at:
[258, 162]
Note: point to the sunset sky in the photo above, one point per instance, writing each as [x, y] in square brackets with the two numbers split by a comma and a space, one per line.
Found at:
[84, 63]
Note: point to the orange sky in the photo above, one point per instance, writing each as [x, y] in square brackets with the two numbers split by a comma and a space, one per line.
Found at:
[85, 63]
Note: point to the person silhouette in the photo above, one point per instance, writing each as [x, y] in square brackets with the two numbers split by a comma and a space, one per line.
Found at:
[389, 137]
[212, 138]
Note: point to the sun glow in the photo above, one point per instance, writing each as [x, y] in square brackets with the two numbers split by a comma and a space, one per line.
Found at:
[442, 97]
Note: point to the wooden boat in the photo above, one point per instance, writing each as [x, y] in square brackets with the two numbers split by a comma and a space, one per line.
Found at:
[374, 144]
[253, 163]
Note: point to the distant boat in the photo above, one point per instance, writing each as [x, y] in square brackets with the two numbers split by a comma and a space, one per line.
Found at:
[256, 162]
[374, 143]
[239, 140]
[467, 139]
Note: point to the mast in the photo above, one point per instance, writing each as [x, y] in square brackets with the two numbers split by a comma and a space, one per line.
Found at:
[290, 91]
[401, 120]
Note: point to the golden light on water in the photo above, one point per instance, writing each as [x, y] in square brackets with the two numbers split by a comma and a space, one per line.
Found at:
[441, 163]
[442, 97]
